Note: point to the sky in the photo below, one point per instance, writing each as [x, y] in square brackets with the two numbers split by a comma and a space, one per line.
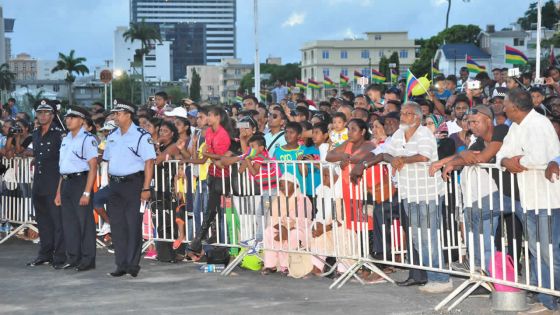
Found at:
[45, 27]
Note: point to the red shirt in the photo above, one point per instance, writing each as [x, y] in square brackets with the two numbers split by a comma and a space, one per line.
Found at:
[217, 142]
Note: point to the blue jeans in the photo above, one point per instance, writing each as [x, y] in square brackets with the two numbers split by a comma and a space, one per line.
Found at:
[427, 216]
[490, 219]
[200, 204]
[534, 223]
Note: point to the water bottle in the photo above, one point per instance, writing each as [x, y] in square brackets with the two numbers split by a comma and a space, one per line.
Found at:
[212, 268]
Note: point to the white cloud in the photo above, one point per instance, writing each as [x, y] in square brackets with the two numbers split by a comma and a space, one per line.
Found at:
[439, 3]
[295, 18]
[348, 33]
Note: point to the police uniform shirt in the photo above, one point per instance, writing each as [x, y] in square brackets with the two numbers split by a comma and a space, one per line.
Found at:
[46, 150]
[127, 153]
[75, 152]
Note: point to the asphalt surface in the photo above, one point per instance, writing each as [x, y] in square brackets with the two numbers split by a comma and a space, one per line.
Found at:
[164, 288]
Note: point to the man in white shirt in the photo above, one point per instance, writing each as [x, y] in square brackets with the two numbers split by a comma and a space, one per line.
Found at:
[529, 145]
[411, 146]
[460, 107]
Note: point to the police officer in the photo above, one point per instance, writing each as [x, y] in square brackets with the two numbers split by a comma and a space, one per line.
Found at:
[46, 146]
[130, 153]
[78, 169]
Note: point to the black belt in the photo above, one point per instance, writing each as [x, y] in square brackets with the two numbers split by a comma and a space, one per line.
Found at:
[121, 179]
[74, 175]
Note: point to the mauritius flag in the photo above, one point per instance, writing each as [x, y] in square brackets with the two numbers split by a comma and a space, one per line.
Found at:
[343, 80]
[357, 75]
[473, 66]
[300, 84]
[515, 56]
[312, 84]
[435, 70]
[377, 76]
[328, 83]
[411, 82]
[239, 98]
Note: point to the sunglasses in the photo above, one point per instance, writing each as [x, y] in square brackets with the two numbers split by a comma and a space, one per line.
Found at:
[474, 111]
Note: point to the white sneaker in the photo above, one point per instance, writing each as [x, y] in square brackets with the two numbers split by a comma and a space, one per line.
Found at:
[437, 287]
[538, 309]
[105, 229]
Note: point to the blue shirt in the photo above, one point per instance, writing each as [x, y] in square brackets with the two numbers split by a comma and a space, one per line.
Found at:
[75, 152]
[313, 178]
[127, 153]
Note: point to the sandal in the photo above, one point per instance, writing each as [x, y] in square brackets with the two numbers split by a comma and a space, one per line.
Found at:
[267, 271]
[177, 243]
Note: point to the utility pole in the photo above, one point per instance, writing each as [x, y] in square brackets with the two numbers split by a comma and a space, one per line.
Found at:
[257, 63]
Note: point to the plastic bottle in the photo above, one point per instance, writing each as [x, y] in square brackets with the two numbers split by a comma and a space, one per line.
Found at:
[212, 268]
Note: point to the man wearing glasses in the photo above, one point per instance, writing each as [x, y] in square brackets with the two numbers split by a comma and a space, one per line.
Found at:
[275, 135]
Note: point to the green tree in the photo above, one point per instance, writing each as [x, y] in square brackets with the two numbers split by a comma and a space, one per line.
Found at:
[7, 78]
[126, 88]
[384, 67]
[176, 94]
[147, 34]
[549, 14]
[428, 47]
[73, 66]
[287, 73]
[194, 89]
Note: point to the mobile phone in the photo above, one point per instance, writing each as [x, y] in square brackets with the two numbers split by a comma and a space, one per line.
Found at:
[473, 85]
[243, 124]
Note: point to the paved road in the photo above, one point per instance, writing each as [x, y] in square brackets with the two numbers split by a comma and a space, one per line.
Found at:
[181, 289]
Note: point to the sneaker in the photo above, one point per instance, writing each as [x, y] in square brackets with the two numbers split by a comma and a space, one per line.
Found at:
[150, 254]
[539, 309]
[465, 267]
[437, 287]
[36, 241]
[111, 249]
[248, 243]
[105, 229]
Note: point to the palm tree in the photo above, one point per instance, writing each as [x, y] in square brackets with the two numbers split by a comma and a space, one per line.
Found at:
[72, 65]
[147, 35]
[449, 10]
[7, 78]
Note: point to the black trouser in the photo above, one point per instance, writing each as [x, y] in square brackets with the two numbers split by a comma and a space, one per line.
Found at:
[215, 193]
[123, 208]
[514, 229]
[49, 222]
[383, 213]
[79, 224]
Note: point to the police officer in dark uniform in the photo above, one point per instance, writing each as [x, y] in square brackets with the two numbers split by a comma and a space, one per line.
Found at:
[46, 147]
[130, 153]
[78, 170]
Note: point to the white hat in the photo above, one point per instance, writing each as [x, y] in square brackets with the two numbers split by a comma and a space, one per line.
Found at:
[288, 177]
[177, 112]
[109, 125]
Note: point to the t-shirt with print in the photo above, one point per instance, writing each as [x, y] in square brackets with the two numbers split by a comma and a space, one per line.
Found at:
[283, 155]
[338, 137]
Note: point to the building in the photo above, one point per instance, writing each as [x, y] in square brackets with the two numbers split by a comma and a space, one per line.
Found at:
[44, 70]
[188, 46]
[157, 63]
[450, 58]
[274, 60]
[24, 67]
[493, 42]
[219, 17]
[332, 57]
[8, 28]
[220, 82]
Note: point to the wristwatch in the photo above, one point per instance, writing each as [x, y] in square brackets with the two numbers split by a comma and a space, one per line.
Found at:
[365, 164]
[86, 194]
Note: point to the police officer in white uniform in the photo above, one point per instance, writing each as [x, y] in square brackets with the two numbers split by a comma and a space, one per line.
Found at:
[78, 170]
[130, 153]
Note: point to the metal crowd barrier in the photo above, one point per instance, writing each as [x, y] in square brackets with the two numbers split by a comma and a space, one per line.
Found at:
[16, 207]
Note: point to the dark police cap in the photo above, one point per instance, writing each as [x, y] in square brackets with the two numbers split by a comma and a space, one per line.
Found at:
[120, 105]
[76, 111]
[45, 105]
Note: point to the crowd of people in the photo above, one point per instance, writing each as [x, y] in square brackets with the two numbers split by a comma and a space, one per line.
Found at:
[452, 128]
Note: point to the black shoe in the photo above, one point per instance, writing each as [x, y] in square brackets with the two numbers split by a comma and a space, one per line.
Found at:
[85, 267]
[59, 266]
[38, 262]
[411, 282]
[117, 273]
[133, 272]
[68, 266]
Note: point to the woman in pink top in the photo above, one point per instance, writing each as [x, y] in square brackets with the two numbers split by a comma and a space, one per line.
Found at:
[218, 142]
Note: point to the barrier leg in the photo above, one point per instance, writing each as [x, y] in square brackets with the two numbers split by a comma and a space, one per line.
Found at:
[234, 263]
[465, 295]
[146, 245]
[17, 230]
[347, 275]
[456, 292]
[375, 269]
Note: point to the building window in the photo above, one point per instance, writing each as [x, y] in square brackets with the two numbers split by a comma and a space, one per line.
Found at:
[326, 72]
[381, 53]
[518, 42]
[237, 71]
[365, 54]
[344, 54]
[365, 72]
[305, 56]
[312, 55]
[377, 37]
[344, 71]
[312, 73]
[403, 54]
[325, 54]
[56, 88]
[304, 74]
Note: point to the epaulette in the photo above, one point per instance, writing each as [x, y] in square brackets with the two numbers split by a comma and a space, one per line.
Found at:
[110, 133]
[142, 130]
